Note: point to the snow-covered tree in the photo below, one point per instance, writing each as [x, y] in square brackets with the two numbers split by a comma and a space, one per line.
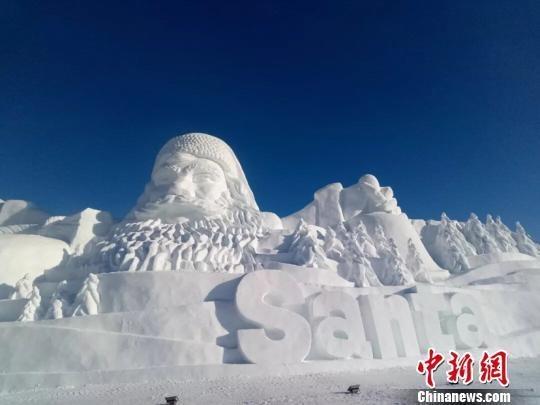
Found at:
[23, 288]
[500, 234]
[332, 246]
[451, 232]
[362, 273]
[524, 242]
[249, 260]
[394, 270]
[450, 247]
[476, 234]
[87, 300]
[357, 266]
[31, 308]
[360, 243]
[341, 230]
[458, 262]
[415, 264]
[379, 238]
[306, 247]
[58, 302]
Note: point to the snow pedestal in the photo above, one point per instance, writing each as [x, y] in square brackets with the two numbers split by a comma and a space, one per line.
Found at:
[154, 319]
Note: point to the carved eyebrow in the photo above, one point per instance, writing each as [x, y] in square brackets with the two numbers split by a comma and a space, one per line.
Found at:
[204, 172]
[205, 169]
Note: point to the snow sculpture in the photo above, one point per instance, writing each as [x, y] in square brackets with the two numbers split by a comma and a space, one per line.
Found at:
[358, 255]
[16, 212]
[360, 242]
[338, 337]
[476, 234]
[31, 308]
[500, 234]
[334, 204]
[416, 265]
[377, 198]
[195, 176]
[469, 328]
[197, 213]
[33, 242]
[218, 244]
[333, 247]
[23, 288]
[287, 301]
[426, 312]
[524, 242]
[306, 247]
[87, 300]
[389, 326]
[266, 298]
[379, 238]
[393, 270]
[450, 247]
[58, 302]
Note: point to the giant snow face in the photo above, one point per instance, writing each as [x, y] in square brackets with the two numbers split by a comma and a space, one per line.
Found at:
[195, 176]
[187, 187]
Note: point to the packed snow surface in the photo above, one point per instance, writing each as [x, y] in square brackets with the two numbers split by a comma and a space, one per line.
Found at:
[385, 386]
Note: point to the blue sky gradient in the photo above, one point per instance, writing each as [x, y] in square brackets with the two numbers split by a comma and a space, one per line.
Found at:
[440, 100]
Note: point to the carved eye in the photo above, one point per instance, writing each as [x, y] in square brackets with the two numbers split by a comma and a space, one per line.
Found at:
[205, 177]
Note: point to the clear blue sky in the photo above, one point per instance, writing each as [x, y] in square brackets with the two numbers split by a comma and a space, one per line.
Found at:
[438, 99]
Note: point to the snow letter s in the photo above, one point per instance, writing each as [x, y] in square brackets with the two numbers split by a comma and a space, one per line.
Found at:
[267, 298]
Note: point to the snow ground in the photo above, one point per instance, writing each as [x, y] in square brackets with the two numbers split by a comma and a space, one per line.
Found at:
[376, 387]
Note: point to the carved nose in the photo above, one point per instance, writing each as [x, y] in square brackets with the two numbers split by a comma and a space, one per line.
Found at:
[184, 187]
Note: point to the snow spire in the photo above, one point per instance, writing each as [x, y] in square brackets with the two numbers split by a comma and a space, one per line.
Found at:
[415, 264]
[476, 234]
[394, 271]
[332, 246]
[306, 248]
[524, 242]
[359, 251]
[23, 288]
[450, 247]
[87, 300]
[31, 308]
[500, 234]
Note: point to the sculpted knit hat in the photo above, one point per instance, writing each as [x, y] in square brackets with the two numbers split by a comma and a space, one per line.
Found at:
[212, 148]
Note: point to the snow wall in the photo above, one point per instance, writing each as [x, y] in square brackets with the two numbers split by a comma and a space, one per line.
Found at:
[268, 317]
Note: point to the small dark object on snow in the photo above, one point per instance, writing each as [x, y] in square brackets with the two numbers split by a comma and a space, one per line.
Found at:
[171, 400]
[353, 389]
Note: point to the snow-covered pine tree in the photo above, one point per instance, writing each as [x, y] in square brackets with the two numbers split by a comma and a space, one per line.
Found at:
[58, 302]
[359, 250]
[379, 238]
[31, 308]
[394, 271]
[306, 247]
[500, 234]
[332, 246]
[525, 244]
[415, 264]
[87, 299]
[458, 262]
[361, 242]
[476, 234]
[450, 246]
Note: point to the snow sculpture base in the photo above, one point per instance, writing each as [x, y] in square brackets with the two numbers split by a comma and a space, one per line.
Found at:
[188, 324]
